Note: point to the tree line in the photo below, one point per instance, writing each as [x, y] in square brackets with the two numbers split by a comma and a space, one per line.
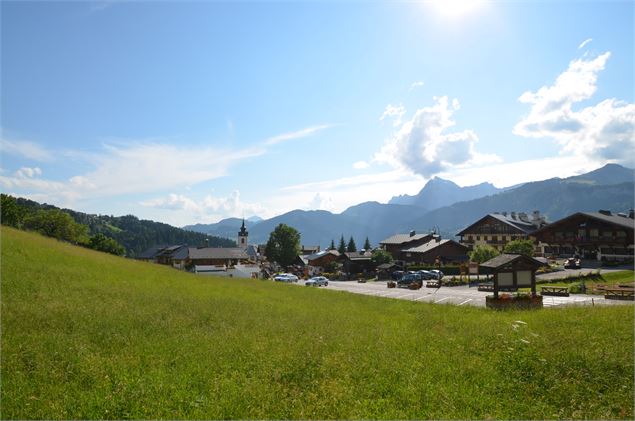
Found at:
[128, 231]
[283, 247]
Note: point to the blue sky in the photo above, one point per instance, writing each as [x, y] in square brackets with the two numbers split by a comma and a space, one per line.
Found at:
[188, 112]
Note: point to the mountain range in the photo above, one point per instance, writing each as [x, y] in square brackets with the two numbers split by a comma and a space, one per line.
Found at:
[445, 207]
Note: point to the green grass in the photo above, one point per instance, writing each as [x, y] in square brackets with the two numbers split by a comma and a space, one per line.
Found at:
[87, 335]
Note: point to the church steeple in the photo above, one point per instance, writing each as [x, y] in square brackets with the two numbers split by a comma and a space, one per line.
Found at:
[243, 236]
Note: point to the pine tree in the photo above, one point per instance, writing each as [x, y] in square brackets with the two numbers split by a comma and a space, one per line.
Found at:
[367, 245]
[332, 246]
[351, 246]
[342, 247]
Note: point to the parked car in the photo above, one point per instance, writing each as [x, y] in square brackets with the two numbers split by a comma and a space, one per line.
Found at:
[317, 281]
[408, 279]
[397, 275]
[572, 263]
[285, 277]
[426, 275]
[439, 275]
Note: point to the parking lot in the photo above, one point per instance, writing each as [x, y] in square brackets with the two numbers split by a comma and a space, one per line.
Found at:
[459, 295]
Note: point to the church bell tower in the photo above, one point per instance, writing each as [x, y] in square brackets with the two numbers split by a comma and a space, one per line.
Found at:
[243, 237]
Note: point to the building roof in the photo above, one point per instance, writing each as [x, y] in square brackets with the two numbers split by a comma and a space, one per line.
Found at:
[320, 254]
[181, 253]
[403, 238]
[357, 255]
[252, 250]
[151, 252]
[505, 259]
[431, 245]
[621, 221]
[524, 226]
[386, 266]
[217, 253]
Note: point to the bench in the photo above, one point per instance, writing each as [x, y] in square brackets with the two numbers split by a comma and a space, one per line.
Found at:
[555, 291]
[486, 287]
[620, 294]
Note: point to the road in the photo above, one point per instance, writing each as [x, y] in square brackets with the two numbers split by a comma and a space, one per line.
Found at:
[459, 295]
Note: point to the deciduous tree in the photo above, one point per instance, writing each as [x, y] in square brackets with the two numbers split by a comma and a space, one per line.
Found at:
[525, 247]
[483, 253]
[283, 245]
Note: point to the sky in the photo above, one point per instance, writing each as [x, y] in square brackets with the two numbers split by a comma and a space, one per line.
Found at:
[191, 112]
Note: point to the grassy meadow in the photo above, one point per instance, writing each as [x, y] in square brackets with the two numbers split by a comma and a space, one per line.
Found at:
[86, 335]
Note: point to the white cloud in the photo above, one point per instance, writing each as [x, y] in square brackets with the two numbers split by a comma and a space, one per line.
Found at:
[423, 145]
[604, 131]
[308, 131]
[142, 168]
[584, 43]
[360, 165]
[394, 112]
[322, 201]
[416, 84]
[512, 173]
[25, 149]
[208, 208]
[26, 172]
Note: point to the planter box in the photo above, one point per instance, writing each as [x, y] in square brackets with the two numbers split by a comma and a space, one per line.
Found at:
[513, 303]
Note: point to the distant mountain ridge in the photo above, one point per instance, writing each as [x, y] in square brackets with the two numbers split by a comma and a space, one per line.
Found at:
[438, 193]
[610, 187]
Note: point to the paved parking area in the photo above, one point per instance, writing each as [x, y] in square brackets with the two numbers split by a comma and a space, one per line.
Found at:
[460, 295]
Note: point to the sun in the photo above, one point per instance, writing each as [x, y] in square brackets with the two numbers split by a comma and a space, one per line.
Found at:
[457, 8]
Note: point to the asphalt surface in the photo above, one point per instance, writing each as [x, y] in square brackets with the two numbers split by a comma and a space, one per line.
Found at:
[459, 295]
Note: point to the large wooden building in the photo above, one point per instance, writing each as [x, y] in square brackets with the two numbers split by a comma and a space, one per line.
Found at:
[497, 229]
[591, 235]
[436, 251]
[395, 244]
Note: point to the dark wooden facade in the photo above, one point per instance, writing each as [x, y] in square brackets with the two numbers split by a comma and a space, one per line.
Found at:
[395, 244]
[591, 235]
[442, 251]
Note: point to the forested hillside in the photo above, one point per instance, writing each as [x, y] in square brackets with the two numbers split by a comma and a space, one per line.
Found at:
[133, 233]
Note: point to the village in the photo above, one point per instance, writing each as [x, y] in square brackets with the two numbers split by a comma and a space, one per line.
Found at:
[584, 240]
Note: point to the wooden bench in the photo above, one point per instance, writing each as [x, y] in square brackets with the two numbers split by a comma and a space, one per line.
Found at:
[620, 294]
[555, 291]
[486, 287]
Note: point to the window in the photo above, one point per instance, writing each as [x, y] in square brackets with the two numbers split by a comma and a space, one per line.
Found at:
[594, 232]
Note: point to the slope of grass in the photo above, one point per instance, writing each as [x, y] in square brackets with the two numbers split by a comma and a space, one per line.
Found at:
[87, 335]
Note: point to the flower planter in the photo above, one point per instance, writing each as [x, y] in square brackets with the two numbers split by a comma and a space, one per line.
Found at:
[513, 303]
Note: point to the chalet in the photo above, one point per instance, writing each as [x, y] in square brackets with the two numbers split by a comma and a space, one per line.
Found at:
[304, 250]
[436, 251]
[395, 244]
[497, 229]
[356, 262]
[323, 258]
[172, 255]
[591, 235]
[211, 256]
[317, 263]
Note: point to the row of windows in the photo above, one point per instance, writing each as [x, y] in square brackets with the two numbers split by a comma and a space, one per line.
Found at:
[593, 233]
[494, 238]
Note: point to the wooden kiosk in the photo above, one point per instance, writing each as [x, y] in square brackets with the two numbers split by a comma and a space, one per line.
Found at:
[510, 272]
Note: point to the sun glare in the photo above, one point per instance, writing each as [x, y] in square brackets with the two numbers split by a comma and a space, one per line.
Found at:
[457, 8]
